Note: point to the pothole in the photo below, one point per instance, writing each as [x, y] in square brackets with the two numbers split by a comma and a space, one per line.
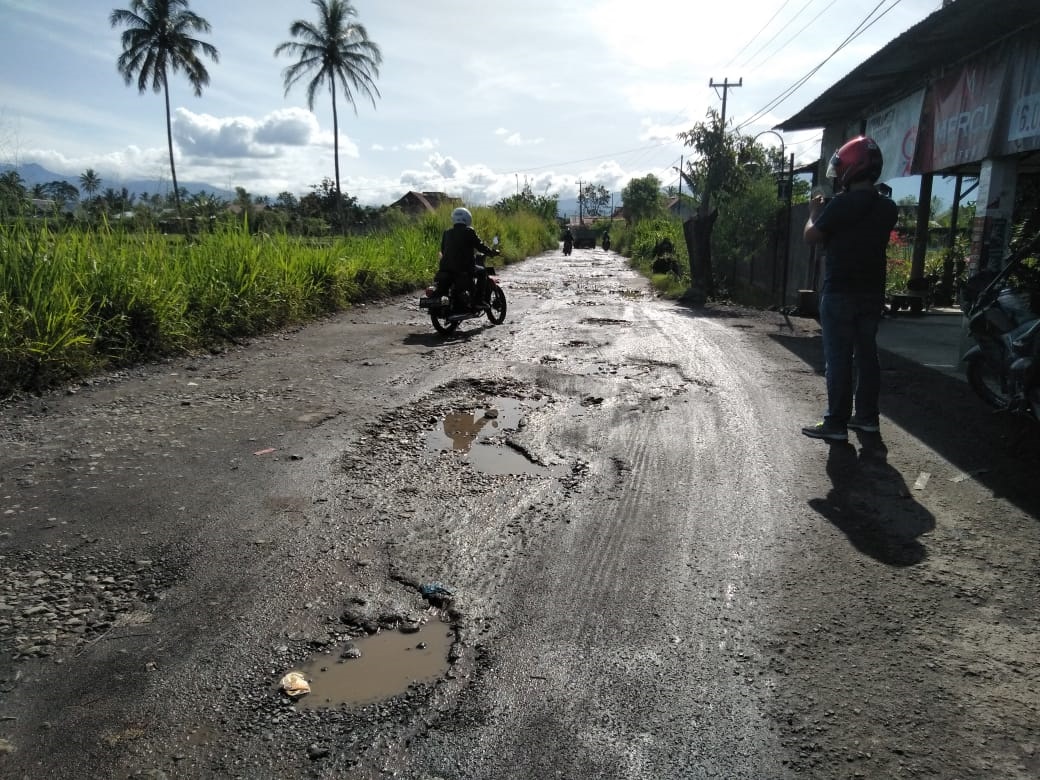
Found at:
[471, 432]
[377, 667]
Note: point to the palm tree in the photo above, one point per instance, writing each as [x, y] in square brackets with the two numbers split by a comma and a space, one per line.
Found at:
[12, 193]
[90, 182]
[335, 49]
[159, 39]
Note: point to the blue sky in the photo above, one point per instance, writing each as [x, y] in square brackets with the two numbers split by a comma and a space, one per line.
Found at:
[476, 98]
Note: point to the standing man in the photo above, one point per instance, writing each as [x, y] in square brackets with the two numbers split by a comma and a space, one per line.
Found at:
[853, 228]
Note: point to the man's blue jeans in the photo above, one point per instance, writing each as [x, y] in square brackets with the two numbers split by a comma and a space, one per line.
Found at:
[850, 324]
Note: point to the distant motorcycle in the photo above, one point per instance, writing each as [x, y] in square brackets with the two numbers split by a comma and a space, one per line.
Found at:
[1003, 368]
[447, 308]
[567, 247]
[606, 243]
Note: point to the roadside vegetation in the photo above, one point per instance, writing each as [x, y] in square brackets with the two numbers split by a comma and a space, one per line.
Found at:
[737, 188]
[76, 301]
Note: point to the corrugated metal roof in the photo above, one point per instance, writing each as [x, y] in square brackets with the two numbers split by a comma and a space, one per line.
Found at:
[949, 37]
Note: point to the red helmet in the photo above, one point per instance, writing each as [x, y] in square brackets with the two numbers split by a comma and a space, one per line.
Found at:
[858, 159]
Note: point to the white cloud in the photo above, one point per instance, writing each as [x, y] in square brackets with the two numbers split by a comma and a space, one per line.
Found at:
[289, 126]
[425, 145]
[443, 166]
[206, 136]
[517, 140]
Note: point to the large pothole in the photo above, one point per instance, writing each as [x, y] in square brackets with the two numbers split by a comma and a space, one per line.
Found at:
[377, 667]
[481, 435]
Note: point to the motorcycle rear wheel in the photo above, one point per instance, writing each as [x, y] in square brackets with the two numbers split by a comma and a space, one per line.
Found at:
[497, 314]
[989, 384]
[441, 323]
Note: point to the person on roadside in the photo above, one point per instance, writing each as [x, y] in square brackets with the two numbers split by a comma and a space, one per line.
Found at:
[853, 229]
[459, 243]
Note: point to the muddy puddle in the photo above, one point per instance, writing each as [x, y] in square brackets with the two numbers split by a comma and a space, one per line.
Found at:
[390, 661]
[470, 432]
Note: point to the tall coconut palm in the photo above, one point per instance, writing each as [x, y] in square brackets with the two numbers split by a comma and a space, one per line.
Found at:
[90, 182]
[335, 49]
[158, 39]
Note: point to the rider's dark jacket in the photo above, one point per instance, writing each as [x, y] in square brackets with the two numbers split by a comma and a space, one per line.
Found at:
[458, 244]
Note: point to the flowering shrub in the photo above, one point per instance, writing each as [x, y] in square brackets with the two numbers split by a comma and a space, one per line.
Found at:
[898, 261]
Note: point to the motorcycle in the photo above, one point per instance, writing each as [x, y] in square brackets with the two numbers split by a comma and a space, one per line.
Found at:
[1003, 368]
[606, 243]
[447, 308]
[567, 247]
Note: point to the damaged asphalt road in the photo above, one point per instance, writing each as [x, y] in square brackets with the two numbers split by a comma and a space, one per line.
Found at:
[631, 562]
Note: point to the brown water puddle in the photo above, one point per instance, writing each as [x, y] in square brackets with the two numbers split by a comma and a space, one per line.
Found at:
[468, 431]
[390, 661]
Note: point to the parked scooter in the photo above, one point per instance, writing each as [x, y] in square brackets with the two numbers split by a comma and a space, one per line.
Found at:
[447, 307]
[1003, 368]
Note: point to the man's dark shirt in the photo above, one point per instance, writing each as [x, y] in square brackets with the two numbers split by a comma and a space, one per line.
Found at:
[458, 244]
[857, 225]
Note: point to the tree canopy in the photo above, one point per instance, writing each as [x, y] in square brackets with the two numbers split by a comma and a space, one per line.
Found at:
[159, 38]
[643, 198]
[338, 52]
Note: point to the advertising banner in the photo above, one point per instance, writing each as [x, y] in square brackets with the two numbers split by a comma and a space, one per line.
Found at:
[960, 116]
[895, 130]
[1023, 115]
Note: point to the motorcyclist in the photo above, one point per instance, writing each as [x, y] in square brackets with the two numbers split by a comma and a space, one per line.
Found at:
[458, 244]
[606, 239]
[568, 240]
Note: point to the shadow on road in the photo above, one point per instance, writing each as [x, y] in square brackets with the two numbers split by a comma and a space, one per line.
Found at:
[869, 502]
[434, 339]
[998, 451]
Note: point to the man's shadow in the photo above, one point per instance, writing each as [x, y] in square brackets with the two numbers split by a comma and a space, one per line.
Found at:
[870, 503]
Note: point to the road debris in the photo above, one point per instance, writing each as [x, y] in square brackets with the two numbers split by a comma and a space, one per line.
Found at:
[294, 685]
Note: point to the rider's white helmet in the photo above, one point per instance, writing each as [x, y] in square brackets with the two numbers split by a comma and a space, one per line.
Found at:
[461, 216]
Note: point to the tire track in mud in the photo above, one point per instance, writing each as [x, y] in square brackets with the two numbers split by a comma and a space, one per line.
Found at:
[611, 594]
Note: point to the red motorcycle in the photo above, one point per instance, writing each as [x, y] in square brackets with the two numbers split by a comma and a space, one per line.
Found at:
[447, 308]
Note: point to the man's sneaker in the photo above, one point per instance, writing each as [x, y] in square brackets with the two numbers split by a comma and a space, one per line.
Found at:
[864, 424]
[825, 430]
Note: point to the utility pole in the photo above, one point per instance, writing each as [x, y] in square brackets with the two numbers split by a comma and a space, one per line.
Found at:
[725, 86]
[697, 229]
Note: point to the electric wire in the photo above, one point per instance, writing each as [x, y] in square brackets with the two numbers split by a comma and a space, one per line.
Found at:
[755, 36]
[777, 33]
[807, 25]
[862, 27]
[859, 30]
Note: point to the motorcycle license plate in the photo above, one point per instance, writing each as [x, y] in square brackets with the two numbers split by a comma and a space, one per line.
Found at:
[426, 303]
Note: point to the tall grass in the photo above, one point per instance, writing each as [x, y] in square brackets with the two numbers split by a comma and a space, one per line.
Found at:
[639, 242]
[72, 303]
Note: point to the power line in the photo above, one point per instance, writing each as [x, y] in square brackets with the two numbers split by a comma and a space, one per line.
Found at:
[753, 37]
[777, 33]
[802, 30]
[862, 27]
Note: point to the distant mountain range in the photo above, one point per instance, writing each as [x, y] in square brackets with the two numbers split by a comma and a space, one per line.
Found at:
[33, 174]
